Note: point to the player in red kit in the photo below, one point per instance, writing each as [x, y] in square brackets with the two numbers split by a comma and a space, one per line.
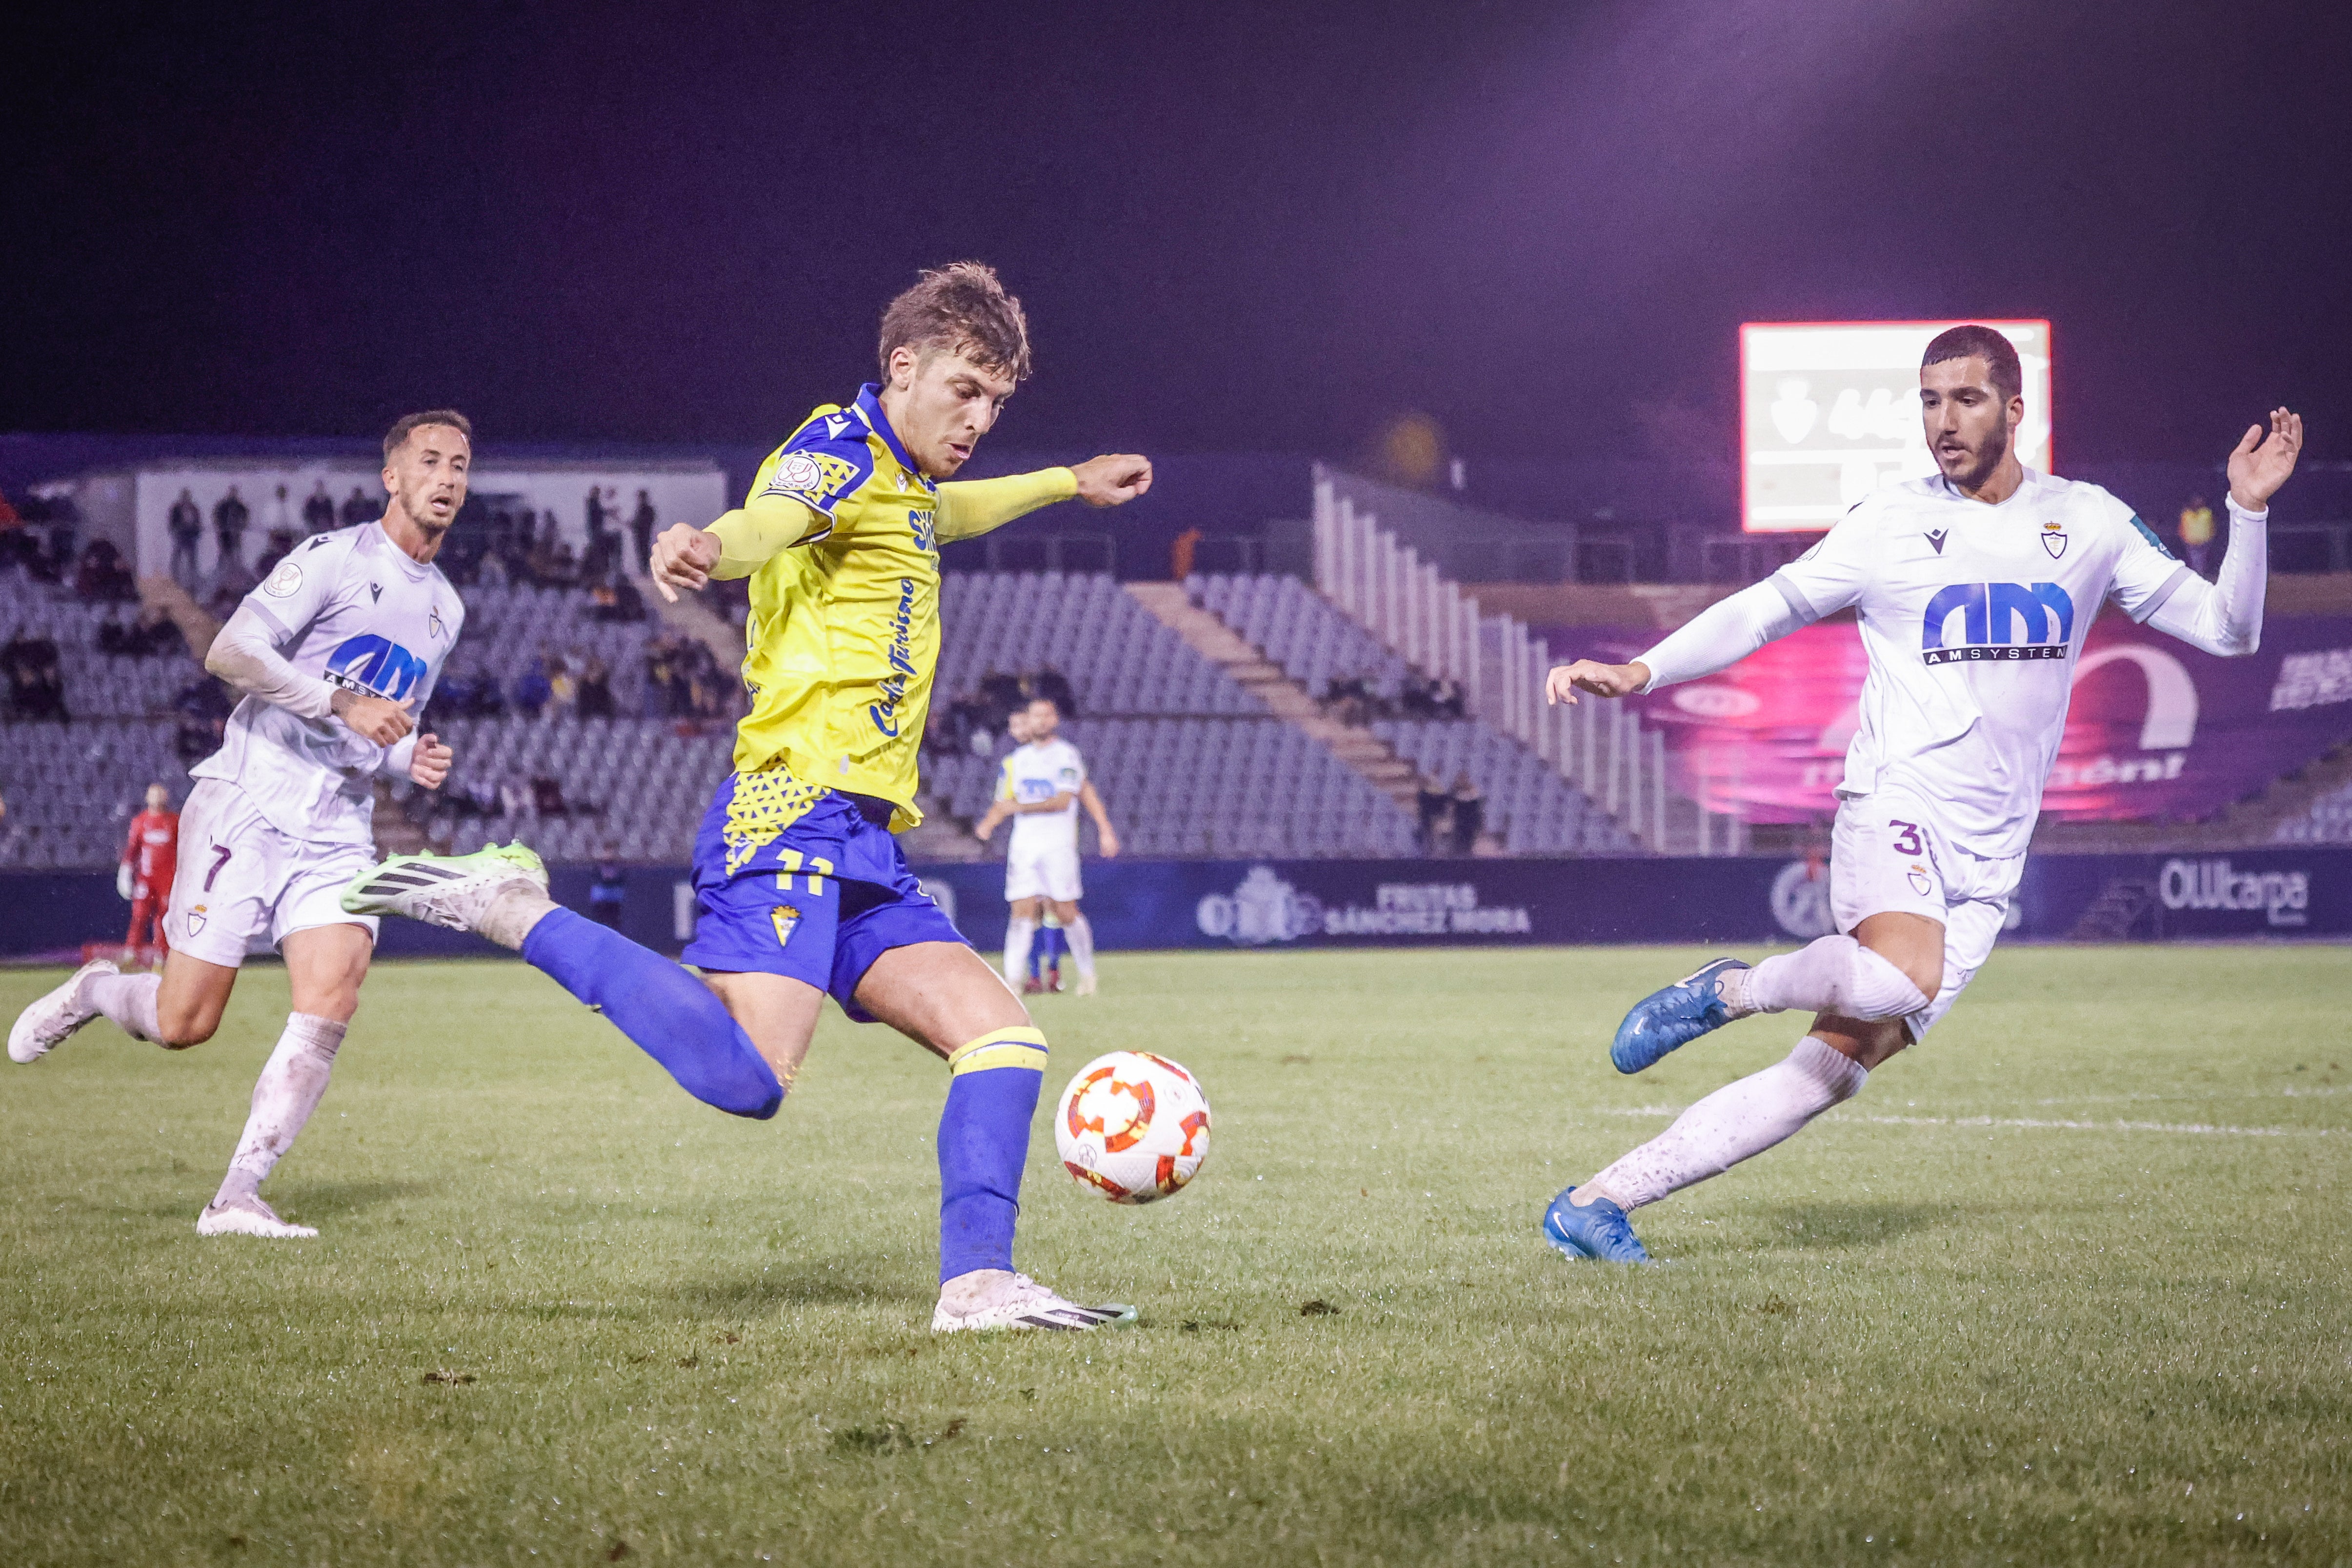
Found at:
[148, 858]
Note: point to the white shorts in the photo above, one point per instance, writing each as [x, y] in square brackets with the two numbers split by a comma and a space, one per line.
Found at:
[1048, 873]
[1888, 855]
[244, 887]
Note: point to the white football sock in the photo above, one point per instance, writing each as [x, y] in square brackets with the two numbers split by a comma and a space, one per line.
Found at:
[129, 1000]
[512, 912]
[1836, 975]
[288, 1089]
[1081, 938]
[1017, 938]
[1735, 1122]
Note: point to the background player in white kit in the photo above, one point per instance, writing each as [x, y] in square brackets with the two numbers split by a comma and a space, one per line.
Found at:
[336, 652]
[1975, 590]
[1041, 787]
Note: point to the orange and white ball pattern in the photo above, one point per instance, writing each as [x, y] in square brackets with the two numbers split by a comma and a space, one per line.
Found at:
[1132, 1127]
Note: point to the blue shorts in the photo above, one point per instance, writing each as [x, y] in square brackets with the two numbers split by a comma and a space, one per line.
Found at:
[820, 901]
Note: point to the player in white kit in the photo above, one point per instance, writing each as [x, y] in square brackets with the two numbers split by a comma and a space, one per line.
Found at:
[335, 653]
[1043, 786]
[1975, 590]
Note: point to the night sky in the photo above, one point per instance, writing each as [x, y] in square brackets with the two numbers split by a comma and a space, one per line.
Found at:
[1236, 228]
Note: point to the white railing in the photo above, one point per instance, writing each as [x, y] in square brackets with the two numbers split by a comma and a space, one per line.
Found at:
[1603, 748]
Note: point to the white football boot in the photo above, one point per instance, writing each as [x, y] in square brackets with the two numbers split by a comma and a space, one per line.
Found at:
[1086, 987]
[43, 1026]
[250, 1216]
[998, 1299]
[449, 890]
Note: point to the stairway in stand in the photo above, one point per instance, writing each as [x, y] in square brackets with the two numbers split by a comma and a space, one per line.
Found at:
[1284, 697]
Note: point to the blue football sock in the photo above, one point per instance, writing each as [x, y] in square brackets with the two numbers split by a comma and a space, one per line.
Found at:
[672, 1016]
[1047, 952]
[983, 1144]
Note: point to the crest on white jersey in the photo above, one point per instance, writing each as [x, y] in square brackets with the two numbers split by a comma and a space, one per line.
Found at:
[2054, 539]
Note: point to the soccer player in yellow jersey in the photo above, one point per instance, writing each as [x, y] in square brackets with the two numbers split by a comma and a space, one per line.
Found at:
[803, 889]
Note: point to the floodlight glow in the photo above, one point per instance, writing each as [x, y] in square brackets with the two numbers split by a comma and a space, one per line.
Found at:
[1830, 411]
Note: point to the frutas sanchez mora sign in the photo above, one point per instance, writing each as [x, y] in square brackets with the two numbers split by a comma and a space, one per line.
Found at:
[2156, 729]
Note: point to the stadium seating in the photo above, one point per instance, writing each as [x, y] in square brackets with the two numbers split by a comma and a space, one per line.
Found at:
[1528, 804]
[1535, 810]
[1117, 658]
[2328, 820]
[1209, 785]
[73, 788]
[1312, 640]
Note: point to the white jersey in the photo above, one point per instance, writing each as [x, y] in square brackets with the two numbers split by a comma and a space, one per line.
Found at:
[353, 609]
[1972, 616]
[1040, 772]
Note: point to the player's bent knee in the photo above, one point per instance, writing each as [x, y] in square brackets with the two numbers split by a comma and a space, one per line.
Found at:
[178, 1031]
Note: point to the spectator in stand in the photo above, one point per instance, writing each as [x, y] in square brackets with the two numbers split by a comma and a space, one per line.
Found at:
[532, 689]
[17, 545]
[230, 515]
[1446, 699]
[37, 688]
[641, 530]
[1180, 552]
[1055, 686]
[154, 632]
[1433, 815]
[101, 577]
[1469, 815]
[608, 892]
[562, 691]
[187, 526]
[200, 719]
[596, 514]
[1003, 695]
[654, 703]
[618, 601]
[358, 508]
[281, 515]
[318, 509]
[281, 545]
[594, 697]
[2196, 533]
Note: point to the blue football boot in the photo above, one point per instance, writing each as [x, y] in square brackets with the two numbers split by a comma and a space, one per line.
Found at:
[1597, 1230]
[1670, 1019]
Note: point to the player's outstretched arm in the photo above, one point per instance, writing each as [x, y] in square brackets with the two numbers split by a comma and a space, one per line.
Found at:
[2262, 463]
[2224, 618]
[1715, 638]
[970, 507]
[1105, 835]
[737, 545]
[990, 819]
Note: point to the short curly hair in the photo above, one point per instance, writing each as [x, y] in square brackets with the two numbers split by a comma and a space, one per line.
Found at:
[962, 306]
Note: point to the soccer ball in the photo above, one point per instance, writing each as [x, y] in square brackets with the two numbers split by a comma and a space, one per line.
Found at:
[1132, 1127]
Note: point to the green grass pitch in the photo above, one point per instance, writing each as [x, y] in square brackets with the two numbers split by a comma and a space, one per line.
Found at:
[2072, 1284]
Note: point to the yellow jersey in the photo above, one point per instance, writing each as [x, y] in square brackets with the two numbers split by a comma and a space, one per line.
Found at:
[843, 635]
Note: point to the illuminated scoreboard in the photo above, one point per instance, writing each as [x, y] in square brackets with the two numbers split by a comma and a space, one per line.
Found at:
[1830, 411]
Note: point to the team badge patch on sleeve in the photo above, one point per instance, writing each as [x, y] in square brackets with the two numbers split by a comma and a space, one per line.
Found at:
[816, 479]
[284, 583]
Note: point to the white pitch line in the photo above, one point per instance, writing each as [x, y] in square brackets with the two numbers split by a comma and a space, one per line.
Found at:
[2193, 1129]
